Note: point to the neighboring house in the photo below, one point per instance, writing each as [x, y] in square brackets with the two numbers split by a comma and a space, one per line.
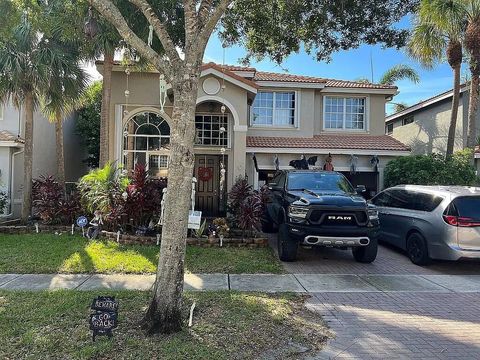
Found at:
[266, 116]
[424, 126]
[44, 155]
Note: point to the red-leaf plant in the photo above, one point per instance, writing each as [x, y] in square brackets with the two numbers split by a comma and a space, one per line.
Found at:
[250, 213]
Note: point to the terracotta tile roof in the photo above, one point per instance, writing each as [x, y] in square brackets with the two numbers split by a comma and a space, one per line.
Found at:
[270, 76]
[231, 74]
[355, 84]
[330, 141]
[240, 68]
[7, 136]
[477, 150]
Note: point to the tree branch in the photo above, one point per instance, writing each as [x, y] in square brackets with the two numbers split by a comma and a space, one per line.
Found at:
[204, 10]
[209, 26]
[159, 29]
[115, 17]
[191, 22]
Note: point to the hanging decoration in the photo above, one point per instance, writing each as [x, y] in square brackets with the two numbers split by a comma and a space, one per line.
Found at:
[192, 195]
[276, 162]
[312, 160]
[353, 164]
[375, 161]
[163, 92]
[205, 173]
[255, 162]
[150, 35]
[328, 166]
[222, 179]
[301, 164]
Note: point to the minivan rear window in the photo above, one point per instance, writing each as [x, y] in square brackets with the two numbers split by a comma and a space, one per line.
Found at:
[468, 206]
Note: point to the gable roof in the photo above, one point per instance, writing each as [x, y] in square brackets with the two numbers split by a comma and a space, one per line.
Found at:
[427, 102]
[329, 142]
[227, 72]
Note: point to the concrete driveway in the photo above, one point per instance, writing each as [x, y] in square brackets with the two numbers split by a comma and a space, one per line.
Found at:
[413, 313]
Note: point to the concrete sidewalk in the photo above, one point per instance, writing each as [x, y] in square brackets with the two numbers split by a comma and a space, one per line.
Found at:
[299, 283]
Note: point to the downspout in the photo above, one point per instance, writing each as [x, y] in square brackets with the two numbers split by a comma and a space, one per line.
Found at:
[10, 186]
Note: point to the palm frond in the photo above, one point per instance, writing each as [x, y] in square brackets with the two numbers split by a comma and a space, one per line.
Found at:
[427, 44]
[399, 72]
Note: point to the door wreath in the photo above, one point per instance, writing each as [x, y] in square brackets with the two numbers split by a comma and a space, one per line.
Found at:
[205, 174]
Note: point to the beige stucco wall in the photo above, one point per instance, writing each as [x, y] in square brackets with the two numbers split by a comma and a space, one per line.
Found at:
[429, 131]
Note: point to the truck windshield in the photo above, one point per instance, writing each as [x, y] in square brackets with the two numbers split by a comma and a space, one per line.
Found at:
[331, 182]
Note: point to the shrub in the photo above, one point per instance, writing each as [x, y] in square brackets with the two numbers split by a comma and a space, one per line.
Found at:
[431, 170]
[102, 189]
[50, 203]
[3, 201]
[144, 197]
[239, 192]
[87, 125]
[246, 206]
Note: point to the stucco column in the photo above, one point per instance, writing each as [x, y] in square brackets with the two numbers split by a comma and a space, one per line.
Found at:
[239, 150]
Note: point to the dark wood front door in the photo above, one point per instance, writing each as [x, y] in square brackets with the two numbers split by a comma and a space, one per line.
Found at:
[207, 172]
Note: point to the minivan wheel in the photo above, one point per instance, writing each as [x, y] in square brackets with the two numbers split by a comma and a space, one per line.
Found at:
[366, 254]
[287, 246]
[417, 249]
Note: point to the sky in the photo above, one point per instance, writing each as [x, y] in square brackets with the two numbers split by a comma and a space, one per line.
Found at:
[349, 65]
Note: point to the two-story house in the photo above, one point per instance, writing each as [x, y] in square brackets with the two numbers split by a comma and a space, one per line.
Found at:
[250, 122]
[12, 132]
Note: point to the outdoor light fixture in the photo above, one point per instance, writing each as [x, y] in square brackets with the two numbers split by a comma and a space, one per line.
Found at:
[90, 28]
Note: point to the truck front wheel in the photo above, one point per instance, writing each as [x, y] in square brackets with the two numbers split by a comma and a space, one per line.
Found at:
[366, 254]
[287, 246]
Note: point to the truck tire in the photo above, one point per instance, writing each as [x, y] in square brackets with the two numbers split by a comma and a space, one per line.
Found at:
[366, 254]
[268, 227]
[417, 249]
[287, 246]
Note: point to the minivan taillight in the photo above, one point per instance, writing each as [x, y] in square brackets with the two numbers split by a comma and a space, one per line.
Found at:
[461, 221]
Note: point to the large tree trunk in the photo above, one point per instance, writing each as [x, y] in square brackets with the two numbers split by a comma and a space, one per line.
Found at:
[454, 113]
[59, 149]
[105, 111]
[472, 112]
[28, 158]
[164, 312]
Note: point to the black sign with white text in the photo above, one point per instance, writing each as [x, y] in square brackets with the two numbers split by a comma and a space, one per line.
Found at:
[105, 317]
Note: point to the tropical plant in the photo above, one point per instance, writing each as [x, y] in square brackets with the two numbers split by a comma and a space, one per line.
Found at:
[249, 217]
[431, 169]
[143, 198]
[432, 39]
[29, 62]
[266, 28]
[240, 190]
[221, 227]
[101, 188]
[399, 72]
[87, 123]
[50, 203]
[397, 107]
[200, 232]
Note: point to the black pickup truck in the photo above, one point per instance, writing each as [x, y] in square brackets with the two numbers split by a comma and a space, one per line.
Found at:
[320, 208]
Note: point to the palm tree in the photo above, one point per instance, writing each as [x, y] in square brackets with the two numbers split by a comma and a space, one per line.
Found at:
[432, 39]
[68, 81]
[24, 74]
[399, 72]
[460, 19]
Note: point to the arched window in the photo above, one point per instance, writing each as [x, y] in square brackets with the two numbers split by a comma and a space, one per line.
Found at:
[146, 139]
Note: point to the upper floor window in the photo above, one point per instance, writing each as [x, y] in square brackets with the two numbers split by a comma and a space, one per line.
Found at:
[345, 113]
[211, 130]
[389, 129]
[274, 108]
[407, 120]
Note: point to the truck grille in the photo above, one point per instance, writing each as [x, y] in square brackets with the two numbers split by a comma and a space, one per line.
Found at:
[346, 218]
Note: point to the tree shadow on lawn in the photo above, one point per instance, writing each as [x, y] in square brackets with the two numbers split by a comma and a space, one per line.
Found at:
[226, 325]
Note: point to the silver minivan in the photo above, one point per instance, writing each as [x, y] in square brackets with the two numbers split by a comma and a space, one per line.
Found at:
[431, 222]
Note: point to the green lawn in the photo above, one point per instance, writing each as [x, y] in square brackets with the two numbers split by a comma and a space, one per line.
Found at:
[227, 325]
[48, 253]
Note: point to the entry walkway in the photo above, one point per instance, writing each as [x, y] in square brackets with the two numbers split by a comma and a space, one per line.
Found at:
[300, 283]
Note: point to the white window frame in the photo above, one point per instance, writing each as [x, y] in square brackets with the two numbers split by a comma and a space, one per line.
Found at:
[228, 129]
[366, 118]
[274, 125]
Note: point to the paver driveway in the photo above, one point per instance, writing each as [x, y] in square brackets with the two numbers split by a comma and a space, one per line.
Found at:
[407, 323]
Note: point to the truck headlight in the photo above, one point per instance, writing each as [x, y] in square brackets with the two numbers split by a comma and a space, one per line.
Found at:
[373, 214]
[297, 211]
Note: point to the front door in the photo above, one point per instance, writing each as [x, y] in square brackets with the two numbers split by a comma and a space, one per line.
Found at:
[207, 172]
